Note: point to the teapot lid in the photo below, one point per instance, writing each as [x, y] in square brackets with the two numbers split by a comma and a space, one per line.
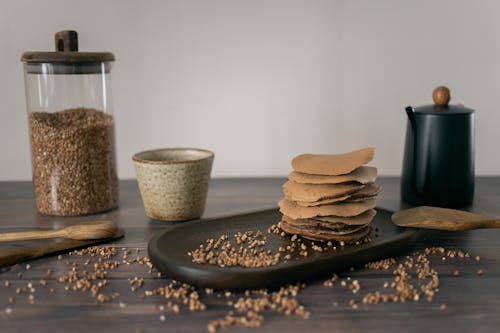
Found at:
[441, 97]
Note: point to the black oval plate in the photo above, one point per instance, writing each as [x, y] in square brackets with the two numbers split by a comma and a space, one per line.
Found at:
[168, 252]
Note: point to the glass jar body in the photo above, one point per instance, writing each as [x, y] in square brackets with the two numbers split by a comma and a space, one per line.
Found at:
[72, 137]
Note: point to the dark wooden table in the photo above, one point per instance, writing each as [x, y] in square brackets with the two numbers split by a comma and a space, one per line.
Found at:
[472, 301]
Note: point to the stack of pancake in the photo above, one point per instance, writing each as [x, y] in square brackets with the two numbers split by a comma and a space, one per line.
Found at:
[330, 197]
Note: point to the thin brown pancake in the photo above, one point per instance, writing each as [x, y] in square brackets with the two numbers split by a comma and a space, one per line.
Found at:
[361, 219]
[363, 175]
[312, 225]
[290, 208]
[313, 192]
[334, 164]
[318, 236]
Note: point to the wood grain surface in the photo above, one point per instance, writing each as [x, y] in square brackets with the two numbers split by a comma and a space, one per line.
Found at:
[472, 300]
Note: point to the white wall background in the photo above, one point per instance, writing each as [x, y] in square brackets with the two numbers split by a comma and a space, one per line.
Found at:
[260, 81]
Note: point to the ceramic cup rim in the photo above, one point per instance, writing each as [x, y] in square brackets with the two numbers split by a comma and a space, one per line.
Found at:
[140, 158]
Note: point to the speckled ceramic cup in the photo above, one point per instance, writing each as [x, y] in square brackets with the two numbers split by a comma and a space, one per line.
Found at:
[174, 182]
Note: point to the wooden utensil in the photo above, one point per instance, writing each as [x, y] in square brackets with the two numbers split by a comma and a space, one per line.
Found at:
[81, 231]
[168, 252]
[443, 219]
[11, 254]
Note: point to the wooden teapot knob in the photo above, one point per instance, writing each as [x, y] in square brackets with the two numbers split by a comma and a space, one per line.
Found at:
[441, 96]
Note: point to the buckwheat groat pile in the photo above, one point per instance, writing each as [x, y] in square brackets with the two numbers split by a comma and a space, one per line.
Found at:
[74, 164]
[330, 197]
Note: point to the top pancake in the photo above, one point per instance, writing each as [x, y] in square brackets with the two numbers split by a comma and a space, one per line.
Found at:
[334, 164]
[363, 175]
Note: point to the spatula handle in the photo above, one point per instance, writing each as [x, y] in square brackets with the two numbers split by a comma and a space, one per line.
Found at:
[14, 254]
[26, 235]
[491, 224]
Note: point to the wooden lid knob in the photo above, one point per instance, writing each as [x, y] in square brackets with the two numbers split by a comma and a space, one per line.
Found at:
[441, 96]
[66, 41]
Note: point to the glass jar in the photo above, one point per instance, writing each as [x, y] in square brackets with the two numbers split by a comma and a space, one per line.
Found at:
[71, 128]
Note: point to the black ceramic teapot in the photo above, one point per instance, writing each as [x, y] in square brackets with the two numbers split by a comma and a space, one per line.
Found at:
[438, 164]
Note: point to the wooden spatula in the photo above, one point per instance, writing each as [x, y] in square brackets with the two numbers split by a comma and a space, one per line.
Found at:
[426, 217]
[82, 231]
[17, 252]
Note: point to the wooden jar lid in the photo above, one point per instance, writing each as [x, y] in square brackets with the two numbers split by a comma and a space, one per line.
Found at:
[66, 45]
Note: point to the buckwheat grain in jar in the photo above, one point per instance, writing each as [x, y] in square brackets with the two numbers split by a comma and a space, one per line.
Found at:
[72, 128]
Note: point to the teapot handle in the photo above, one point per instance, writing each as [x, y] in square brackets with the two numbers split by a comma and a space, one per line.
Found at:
[415, 183]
